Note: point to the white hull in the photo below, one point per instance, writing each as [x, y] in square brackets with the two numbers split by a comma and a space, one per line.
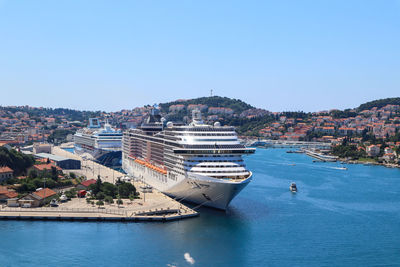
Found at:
[199, 189]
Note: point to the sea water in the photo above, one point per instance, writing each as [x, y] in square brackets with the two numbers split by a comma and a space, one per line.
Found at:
[337, 218]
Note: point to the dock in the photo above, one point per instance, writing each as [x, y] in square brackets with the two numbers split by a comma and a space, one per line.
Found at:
[320, 156]
[95, 214]
[151, 206]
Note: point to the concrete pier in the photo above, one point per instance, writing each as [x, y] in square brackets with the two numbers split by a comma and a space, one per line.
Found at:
[152, 206]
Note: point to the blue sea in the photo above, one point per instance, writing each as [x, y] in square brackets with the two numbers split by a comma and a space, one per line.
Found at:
[338, 218]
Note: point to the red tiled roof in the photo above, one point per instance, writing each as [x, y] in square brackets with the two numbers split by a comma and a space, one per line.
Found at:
[88, 182]
[3, 189]
[11, 194]
[5, 169]
[41, 167]
[46, 192]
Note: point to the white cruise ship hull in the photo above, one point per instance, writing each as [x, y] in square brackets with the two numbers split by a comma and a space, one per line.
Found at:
[195, 188]
[106, 157]
[206, 191]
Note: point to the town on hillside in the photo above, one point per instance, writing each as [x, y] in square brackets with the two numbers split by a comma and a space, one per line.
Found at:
[369, 131]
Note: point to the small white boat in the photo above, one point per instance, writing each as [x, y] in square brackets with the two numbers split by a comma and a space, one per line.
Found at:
[293, 187]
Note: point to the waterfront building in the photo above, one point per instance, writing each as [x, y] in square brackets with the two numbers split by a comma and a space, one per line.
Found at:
[37, 198]
[373, 150]
[6, 194]
[59, 161]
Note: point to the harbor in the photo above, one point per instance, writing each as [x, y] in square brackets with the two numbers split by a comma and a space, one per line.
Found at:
[329, 209]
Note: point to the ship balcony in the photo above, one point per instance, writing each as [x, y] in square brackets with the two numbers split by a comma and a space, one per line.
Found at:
[232, 177]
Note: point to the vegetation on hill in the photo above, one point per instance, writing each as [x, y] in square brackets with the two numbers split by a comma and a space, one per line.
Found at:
[59, 136]
[245, 126]
[379, 103]
[341, 114]
[236, 105]
[17, 161]
[36, 113]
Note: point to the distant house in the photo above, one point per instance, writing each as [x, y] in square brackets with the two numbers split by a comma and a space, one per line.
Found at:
[389, 157]
[373, 150]
[6, 194]
[41, 148]
[37, 198]
[176, 108]
[45, 167]
[85, 184]
[388, 150]
[6, 173]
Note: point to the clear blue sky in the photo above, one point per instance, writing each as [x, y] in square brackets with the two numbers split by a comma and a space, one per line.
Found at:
[278, 55]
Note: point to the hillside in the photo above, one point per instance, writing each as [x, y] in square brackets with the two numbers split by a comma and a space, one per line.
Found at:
[17, 161]
[35, 113]
[379, 103]
[238, 106]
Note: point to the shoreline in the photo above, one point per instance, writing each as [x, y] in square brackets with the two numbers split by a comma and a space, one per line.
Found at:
[368, 163]
[347, 161]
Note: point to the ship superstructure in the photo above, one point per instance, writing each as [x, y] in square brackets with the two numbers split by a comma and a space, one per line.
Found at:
[199, 163]
[99, 143]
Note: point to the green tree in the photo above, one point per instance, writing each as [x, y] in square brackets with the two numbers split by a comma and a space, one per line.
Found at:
[108, 200]
[109, 189]
[126, 189]
[32, 174]
[96, 188]
[100, 196]
[54, 173]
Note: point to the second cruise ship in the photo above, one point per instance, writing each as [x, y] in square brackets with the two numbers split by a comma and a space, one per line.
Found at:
[102, 144]
[199, 163]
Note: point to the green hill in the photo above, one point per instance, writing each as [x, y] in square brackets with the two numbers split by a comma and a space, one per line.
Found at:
[238, 106]
[379, 103]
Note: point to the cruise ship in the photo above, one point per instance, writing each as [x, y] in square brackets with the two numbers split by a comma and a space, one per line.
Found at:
[198, 163]
[102, 144]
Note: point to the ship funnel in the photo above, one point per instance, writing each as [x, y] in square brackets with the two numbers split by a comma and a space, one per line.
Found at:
[196, 117]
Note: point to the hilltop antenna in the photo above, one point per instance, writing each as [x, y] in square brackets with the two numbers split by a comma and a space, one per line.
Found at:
[211, 93]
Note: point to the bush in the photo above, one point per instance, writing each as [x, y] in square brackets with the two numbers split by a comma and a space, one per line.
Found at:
[71, 193]
[100, 196]
[100, 203]
[126, 189]
[120, 202]
[109, 200]
[72, 175]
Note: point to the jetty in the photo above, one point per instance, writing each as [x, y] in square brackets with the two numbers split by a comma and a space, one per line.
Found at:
[320, 156]
[288, 144]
